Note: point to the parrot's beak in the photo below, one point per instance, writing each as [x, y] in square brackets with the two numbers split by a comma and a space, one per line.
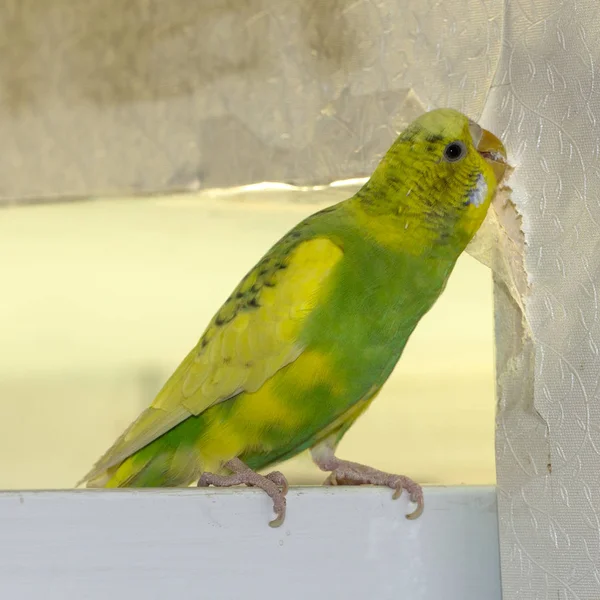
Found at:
[491, 149]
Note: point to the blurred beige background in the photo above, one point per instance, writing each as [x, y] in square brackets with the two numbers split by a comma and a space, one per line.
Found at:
[101, 300]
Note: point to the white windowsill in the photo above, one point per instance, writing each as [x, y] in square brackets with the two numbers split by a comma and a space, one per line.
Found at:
[350, 543]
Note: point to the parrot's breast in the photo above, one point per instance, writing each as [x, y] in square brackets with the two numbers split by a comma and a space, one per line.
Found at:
[353, 341]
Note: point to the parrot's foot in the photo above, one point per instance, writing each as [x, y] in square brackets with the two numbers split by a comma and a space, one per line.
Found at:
[274, 484]
[344, 472]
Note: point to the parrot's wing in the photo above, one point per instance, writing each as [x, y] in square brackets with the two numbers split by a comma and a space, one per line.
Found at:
[252, 336]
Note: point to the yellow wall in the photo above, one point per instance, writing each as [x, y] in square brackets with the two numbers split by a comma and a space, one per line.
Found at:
[101, 300]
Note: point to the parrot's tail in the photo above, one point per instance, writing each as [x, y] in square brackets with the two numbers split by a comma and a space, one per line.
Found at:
[177, 458]
[157, 465]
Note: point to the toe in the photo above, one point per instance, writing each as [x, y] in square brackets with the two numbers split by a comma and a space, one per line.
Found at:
[397, 492]
[279, 480]
[204, 480]
[279, 508]
[331, 479]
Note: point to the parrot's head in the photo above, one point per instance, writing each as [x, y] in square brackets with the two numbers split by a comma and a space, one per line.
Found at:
[440, 176]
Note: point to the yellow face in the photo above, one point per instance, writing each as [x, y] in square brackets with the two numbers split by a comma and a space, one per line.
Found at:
[456, 157]
[435, 184]
[451, 167]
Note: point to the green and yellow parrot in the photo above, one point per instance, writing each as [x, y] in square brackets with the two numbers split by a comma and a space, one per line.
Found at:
[305, 342]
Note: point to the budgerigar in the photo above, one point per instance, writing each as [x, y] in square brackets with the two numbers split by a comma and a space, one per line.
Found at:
[305, 342]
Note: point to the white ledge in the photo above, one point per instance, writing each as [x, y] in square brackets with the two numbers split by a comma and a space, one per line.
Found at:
[350, 543]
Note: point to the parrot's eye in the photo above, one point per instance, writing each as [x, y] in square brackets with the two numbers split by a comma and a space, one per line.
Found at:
[454, 151]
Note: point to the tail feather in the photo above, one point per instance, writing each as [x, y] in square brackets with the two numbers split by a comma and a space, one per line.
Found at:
[160, 464]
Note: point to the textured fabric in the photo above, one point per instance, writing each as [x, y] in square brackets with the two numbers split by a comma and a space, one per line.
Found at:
[545, 104]
[155, 95]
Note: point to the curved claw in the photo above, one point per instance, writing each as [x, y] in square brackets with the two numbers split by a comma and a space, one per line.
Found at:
[415, 514]
[279, 504]
[419, 501]
[278, 521]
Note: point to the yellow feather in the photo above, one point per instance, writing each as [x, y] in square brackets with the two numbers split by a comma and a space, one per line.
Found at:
[252, 337]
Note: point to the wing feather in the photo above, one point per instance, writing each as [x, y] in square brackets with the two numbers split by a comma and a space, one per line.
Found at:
[252, 336]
